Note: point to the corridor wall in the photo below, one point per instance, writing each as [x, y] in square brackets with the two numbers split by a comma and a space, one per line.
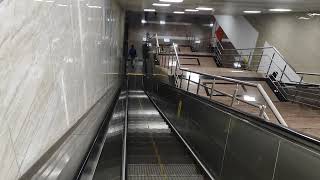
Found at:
[58, 60]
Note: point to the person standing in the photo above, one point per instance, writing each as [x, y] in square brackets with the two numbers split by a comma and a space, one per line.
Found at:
[132, 55]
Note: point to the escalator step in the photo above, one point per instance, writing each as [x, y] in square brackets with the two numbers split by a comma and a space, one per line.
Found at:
[152, 159]
[177, 170]
[198, 177]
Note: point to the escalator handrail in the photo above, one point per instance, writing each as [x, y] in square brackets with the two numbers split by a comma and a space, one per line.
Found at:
[125, 132]
[95, 140]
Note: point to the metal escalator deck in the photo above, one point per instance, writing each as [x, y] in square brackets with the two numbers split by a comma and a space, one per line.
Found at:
[154, 152]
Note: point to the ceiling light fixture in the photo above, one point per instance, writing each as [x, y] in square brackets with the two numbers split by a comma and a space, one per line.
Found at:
[149, 10]
[94, 7]
[211, 25]
[178, 12]
[62, 5]
[280, 10]
[313, 14]
[303, 18]
[252, 12]
[204, 8]
[143, 21]
[161, 5]
[172, 1]
[191, 10]
[162, 22]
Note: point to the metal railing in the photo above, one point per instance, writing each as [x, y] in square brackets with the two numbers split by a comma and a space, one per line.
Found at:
[275, 67]
[172, 62]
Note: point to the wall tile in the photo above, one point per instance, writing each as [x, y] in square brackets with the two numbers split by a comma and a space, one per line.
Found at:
[56, 61]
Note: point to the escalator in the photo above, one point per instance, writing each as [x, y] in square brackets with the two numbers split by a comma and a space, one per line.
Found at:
[154, 152]
[158, 132]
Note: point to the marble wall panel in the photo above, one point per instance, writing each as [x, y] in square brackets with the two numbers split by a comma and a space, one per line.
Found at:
[57, 59]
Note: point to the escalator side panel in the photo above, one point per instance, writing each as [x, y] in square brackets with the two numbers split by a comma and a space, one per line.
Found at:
[235, 148]
[105, 161]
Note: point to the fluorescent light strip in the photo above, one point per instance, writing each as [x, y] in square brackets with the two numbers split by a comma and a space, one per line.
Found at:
[172, 1]
[304, 18]
[252, 12]
[178, 12]
[204, 8]
[161, 5]
[62, 5]
[143, 21]
[94, 7]
[313, 14]
[149, 10]
[280, 10]
[191, 10]
[162, 22]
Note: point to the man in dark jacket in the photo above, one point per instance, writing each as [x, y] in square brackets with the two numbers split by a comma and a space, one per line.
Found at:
[132, 55]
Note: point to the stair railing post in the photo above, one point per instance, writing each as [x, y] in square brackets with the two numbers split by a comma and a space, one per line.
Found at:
[181, 77]
[284, 69]
[271, 61]
[188, 82]
[198, 86]
[172, 63]
[234, 98]
[262, 110]
[212, 87]
[296, 94]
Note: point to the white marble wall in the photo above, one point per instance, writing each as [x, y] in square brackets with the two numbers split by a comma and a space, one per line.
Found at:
[57, 58]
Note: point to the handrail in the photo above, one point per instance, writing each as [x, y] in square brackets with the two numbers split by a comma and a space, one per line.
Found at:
[125, 132]
[258, 86]
[259, 48]
[299, 80]
[287, 73]
[311, 74]
[263, 55]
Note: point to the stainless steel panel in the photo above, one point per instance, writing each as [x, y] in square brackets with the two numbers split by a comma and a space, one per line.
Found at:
[297, 163]
[251, 152]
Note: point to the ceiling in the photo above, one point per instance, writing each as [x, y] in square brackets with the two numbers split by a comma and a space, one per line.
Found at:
[225, 6]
